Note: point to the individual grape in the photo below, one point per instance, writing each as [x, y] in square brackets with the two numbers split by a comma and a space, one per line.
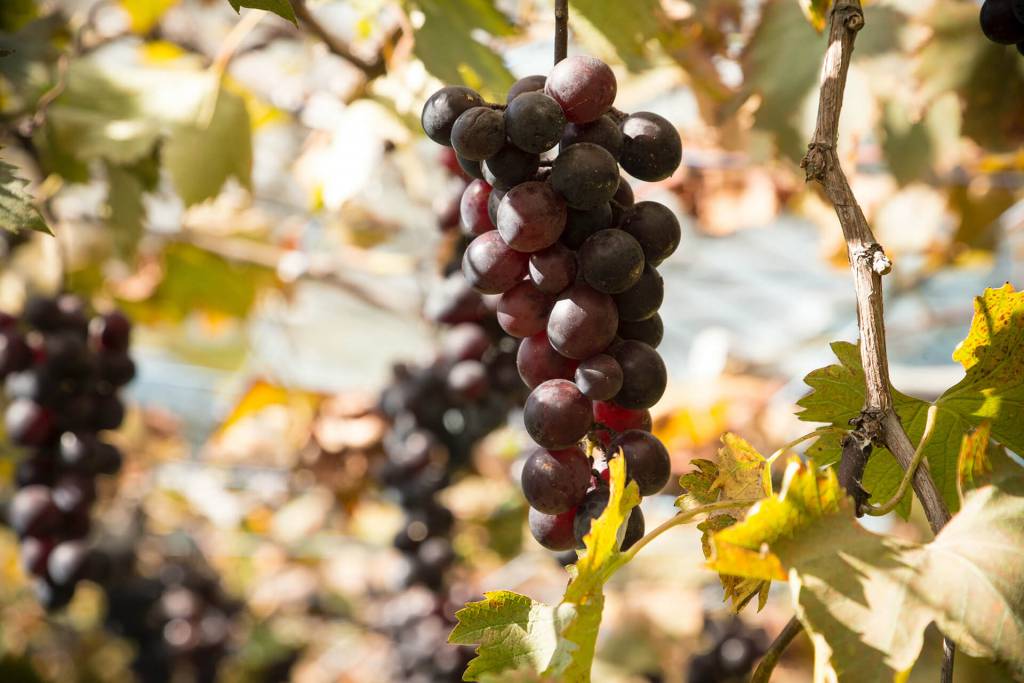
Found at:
[15, 354]
[42, 313]
[473, 209]
[643, 299]
[52, 597]
[651, 148]
[473, 169]
[582, 322]
[34, 553]
[524, 85]
[647, 460]
[554, 532]
[74, 493]
[523, 310]
[38, 468]
[32, 512]
[465, 341]
[556, 481]
[66, 353]
[115, 369]
[538, 361]
[579, 225]
[584, 87]
[491, 266]
[78, 451]
[553, 269]
[454, 301]
[611, 261]
[493, 202]
[442, 109]
[111, 332]
[592, 507]
[556, 414]
[109, 412]
[531, 217]
[510, 167]
[467, 380]
[618, 419]
[585, 175]
[599, 377]
[534, 122]
[68, 563]
[1000, 24]
[621, 201]
[603, 132]
[108, 458]
[656, 228]
[478, 133]
[644, 376]
[28, 423]
[650, 330]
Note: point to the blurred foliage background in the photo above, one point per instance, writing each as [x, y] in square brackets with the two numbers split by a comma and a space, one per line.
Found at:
[256, 193]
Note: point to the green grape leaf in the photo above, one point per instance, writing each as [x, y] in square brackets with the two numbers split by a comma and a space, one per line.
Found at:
[699, 485]
[627, 26]
[516, 634]
[865, 600]
[973, 462]
[282, 8]
[126, 213]
[17, 211]
[816, 12]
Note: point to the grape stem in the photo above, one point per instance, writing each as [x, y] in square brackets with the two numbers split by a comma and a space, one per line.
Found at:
[763, 672]
[682, 518]
[890, 505]
[561, 29]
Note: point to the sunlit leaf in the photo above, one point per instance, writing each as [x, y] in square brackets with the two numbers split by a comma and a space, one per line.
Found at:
[282, 8]
[816, 12]
[262, 394]
[973, 462]
[145, 14]
[17, 211]
[628, 26]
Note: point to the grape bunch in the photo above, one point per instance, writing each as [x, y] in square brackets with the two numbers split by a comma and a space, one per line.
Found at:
[1002, 22]
[574, 259]
[62, 372]
[735, 649]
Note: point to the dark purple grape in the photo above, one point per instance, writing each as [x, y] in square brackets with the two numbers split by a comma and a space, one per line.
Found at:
[473, 169]
[28, 423]
[478, 133]
[584, 87]
[32, 512]
[116, 369]
[644, 376]
[74, 493]
[66, 353]
[111, 332]
[52, 597]
[579, 225]
[647, 460]
[556, 481]
[651, 148]
[467, 380]
[604, 132]
[473, 209]
[38, 468]
[34, 552]
[611, 261]
[15, 354]
[553, 269]
[557, 415]
[68, 563]
[643, 299]
[534, 122]
[531, 217]
[592, 507]
[621, 201]
[538, 361]
[42, 313]
[73, 315]
[554, 532]
[491, 266]
[650, 330]
[466, 341]
[585, 175]
[443, 108]
[454, 301]
[599, 377]
[656, 228]
[999, 22]
[524, 85]
[582, 322]
[78, 451]
[109, 412]
[523, 310]
[108, 458]
[510, 167]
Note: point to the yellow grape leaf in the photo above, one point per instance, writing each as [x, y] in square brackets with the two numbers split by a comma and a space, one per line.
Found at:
[743, 473]
[262, 394]
[816, 12]
[973, 462]
[143, 15]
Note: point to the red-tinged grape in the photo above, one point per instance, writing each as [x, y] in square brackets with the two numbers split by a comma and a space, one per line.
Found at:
[523, 310]
[557, 414]
[524, 85]
[643, 299]
[34, 552]
[618, 419]
[7, 321]
[585, 88]
[478, 133]
[68, 563]
[647, 460]
[32, 512]
[534, 122]
[592, 507]
[611, 261]
[467, 380]
[582, 322]
[15, 354]
[450, 160]
[447, 212]
[442, 109]
[656, 228]
[553, 269]
[491, 266]
[554, 532]
[650, 330]
[586, 175]
[644, 376]
[510, 167]
[538, 361]
[473, 209]
[555, 481]
[28, 423]
[999, 22]
[599, 377]
[455, 301]
[111, 332]
[604, 132]
[493, 202]
[651, 148]
[531, 217]
[579, 225]
[465, 341]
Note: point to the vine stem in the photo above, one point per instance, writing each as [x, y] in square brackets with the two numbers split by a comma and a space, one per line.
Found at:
[682, 518]
[561, 29]
[763, 672]
[878, 422]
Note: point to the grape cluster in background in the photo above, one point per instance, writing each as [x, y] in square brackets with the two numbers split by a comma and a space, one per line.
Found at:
[574, 259]
[1002, 22]
[62, 373]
